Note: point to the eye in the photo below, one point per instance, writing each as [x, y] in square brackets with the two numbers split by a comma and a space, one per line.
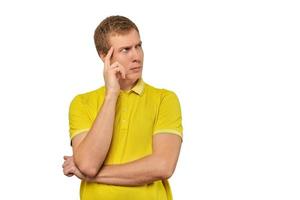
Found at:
[125, 50]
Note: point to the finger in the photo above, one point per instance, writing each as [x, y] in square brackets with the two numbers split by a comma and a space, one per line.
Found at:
[123, 71]
[66, 164]
[114, 65]
[67, 157]
[108, 57]
[66, 172]
[69, 162]
[119, 68]
[69, 170]
[118, 72]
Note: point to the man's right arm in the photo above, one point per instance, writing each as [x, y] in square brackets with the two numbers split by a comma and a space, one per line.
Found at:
[90, 148]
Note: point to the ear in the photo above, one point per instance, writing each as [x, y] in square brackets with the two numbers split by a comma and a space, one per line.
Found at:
[102, 56]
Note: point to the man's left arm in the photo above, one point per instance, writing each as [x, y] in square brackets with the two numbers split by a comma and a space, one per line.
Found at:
[160, 165]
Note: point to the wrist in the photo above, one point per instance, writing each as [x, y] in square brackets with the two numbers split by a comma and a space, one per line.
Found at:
[111, 95]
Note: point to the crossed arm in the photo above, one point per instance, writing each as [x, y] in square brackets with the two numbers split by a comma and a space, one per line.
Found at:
[159, 165]
[90, 150]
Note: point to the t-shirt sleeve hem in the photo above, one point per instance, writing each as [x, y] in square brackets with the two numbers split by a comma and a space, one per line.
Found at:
[170, 131]
[75, 133]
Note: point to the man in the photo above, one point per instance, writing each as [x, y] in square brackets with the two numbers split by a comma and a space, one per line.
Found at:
[126, 136]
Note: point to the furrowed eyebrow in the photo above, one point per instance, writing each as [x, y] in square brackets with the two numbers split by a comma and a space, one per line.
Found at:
[125, 47]
[128, 47]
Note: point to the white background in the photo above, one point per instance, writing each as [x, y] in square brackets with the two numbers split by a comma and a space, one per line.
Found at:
[233, 64]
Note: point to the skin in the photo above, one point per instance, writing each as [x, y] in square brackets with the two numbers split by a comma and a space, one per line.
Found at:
[126, 54]
[160, 165]
[122, 68]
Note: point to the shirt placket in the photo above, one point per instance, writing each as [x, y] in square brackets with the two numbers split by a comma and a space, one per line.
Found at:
[124, 113]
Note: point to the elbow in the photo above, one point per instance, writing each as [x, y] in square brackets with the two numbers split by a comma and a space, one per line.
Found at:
[86, 169]
[166, 170]
[166, 174]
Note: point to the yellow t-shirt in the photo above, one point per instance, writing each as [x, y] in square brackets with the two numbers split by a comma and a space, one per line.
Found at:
[141, 113]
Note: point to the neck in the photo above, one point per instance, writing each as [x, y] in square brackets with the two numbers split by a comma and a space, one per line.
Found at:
[126, 85]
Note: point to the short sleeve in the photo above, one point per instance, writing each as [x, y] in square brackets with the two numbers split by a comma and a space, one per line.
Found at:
[169, 115]
[79, 120]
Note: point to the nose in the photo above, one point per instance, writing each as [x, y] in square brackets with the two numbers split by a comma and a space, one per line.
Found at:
[135, 54]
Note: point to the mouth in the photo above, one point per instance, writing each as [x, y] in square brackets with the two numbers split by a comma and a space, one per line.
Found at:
[135, 69]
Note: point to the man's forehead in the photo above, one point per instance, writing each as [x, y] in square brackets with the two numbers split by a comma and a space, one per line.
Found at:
[125, 39]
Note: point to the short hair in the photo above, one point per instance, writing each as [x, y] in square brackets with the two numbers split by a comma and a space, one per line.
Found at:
[112, 25]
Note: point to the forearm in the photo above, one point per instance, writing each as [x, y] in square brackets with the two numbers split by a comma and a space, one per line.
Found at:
[140, 172]
[91, 152]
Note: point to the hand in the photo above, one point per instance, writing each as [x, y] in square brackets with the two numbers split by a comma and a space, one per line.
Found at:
[112, 74]
[70, 169]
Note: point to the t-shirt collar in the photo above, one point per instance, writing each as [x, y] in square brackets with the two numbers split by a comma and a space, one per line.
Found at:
[139, 87]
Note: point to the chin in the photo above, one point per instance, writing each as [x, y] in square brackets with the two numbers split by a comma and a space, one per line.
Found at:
[134, 77]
